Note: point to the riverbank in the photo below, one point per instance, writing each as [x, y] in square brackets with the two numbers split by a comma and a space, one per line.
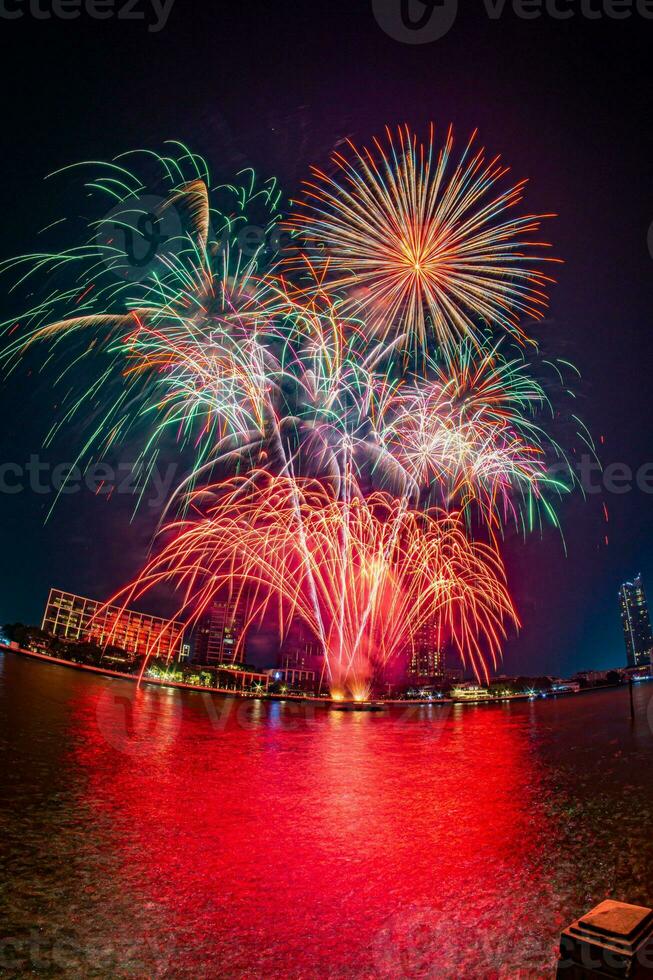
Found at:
[158, 682]
[342, 704]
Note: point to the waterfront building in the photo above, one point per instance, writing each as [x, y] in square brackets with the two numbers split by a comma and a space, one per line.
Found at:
[636, 623]
[297, 680]
[592, 677]
[218, 633]
[300, 664]
[78, 619]
[644, 673]
[426, 658]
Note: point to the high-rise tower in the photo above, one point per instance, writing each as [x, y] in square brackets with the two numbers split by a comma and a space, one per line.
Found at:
[636, 623]
[217, 635]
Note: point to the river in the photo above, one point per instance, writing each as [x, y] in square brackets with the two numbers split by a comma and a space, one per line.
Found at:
[153, 832]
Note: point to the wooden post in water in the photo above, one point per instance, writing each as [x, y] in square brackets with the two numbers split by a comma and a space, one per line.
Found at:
[630, 691]
[613, 940]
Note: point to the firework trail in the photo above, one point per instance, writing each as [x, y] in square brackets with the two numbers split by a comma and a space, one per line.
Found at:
[178, 350]
[363, 572]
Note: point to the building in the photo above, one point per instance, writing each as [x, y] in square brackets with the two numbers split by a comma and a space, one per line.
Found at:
[296, 680]
[638, 673]
[300, 664]
[591, 678]
[636, 623]
[77, 619]
[217, 635]
[426, 658]
[426, 662]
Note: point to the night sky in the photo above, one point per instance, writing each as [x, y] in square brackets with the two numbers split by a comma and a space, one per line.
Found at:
[276, 85]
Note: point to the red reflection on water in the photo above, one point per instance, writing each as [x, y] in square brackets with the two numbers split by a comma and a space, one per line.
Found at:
[269, 843]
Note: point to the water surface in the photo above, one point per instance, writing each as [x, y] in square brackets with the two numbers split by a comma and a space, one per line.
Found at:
[155, 832]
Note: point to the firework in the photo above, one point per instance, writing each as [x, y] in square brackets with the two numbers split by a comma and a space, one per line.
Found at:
[419, 243]
[362, 472]
[469, 435]
[172, 344]
[363, 573]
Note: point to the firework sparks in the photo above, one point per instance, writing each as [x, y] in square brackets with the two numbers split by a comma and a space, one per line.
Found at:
[177, 349]
[418, 242]
[364, 573]
[469, 435]
[362, 470]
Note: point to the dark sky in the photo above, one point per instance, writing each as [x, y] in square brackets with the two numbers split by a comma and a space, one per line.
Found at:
[276, 84]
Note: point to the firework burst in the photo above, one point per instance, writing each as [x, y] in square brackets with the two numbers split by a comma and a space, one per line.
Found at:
[468, 434]
[177, 349]
[420, 243]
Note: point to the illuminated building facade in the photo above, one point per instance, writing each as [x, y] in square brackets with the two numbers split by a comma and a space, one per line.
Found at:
[426, 662]
[295, 679]
[426, 658]
[77, 619]
[301, 661]
[217, 635]
[636, 623]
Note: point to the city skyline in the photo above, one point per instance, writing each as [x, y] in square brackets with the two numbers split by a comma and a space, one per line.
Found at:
[214, 638]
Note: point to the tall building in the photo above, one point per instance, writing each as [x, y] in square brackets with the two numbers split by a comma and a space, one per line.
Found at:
[636, 623]
[427, 656]
[217, 635]
[426, 663]
[75, 618]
